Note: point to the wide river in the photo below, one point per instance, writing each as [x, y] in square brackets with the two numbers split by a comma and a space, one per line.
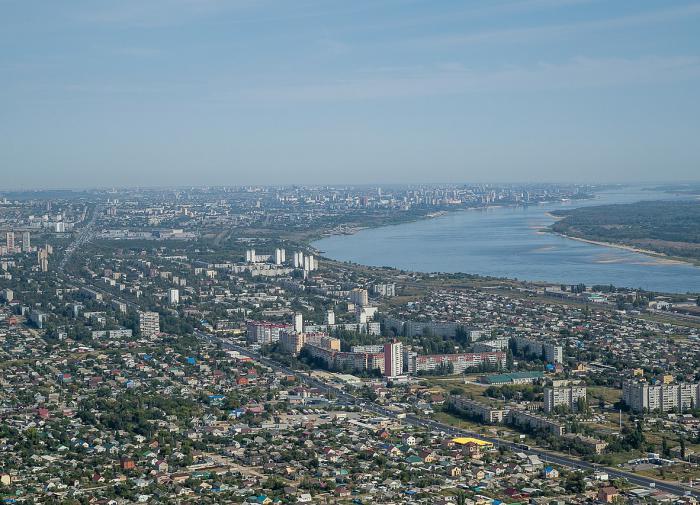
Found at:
[508, 242]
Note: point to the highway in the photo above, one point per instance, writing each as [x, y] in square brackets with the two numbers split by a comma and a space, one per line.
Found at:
[547, 456]
[84, 236]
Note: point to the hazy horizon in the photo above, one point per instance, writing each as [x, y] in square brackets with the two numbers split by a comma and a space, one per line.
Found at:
[343, 185]
[255, 92]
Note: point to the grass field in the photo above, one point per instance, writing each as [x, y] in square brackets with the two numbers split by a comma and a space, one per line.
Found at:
[610, 395]
[447, 384]
[447, 418]
[681, 472]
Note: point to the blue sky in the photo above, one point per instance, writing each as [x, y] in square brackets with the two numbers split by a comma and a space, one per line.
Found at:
[199, 92]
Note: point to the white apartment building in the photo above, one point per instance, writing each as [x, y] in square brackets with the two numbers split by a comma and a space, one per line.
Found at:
[359, 297]
[641, 396]
[10, 241]
[563, 393]
[393, 358]
[149, 323]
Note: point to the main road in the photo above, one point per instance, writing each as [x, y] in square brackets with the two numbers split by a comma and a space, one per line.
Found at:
[548, 456]
[84, 236]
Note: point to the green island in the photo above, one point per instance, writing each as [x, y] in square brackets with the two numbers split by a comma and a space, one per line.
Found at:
[671, 228]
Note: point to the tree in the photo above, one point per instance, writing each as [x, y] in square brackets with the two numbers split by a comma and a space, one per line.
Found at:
[582, 406]
[575, 483]
[509, 359]
[461, 498]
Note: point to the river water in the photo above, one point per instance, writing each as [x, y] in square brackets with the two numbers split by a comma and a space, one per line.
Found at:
[508, 242]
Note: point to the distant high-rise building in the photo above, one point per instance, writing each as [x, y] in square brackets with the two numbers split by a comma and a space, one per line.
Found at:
[262, 332]
[10, 241]
[279, 256]
[60, 227]
[385, 289]
[393, 358]
[149, 323]
[174, 296]
[307, 262]
[42, 257]
[299, 322]
[330, 317]
[26, 241]
[359, 297]
[292, 342]
[250, 256]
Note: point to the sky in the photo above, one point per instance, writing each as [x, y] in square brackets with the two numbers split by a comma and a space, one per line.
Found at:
[238, 92]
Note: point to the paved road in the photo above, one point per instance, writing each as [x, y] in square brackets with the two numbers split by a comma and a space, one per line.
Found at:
[84, 236]
[413, 420]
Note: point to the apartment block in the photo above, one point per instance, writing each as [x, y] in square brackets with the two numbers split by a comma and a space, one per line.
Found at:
[641, 396]
[528, 420]
[563, 393]
[261, 332]
[459, 362]
[293, 342]
[477, 409]
[393, 358]
[149, 323]
[529, 347]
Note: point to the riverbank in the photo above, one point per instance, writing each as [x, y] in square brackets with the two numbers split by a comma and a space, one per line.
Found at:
[512, 242]
[352, 229]
[660, 257]
[665, 229]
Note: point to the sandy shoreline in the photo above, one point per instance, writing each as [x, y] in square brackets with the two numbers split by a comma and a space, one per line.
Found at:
[660, 257]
